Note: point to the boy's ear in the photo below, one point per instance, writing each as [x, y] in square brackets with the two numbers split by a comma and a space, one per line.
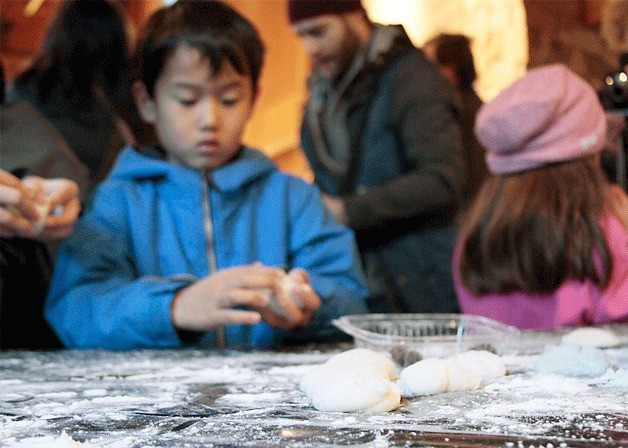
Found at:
[144, 102]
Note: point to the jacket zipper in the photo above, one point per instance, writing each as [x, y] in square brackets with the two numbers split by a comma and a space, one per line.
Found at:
[210, 253]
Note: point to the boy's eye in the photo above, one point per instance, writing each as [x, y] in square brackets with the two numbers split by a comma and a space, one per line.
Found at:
[229, 100]
[185, 101]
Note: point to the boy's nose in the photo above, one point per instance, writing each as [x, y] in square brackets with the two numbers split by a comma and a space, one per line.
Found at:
[209, 114]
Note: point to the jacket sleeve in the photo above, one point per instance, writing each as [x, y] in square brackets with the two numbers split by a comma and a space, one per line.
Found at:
[328, 252]
[423, 118]
[97, 299]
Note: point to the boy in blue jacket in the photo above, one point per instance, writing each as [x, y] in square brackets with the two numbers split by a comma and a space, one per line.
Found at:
[186, 243]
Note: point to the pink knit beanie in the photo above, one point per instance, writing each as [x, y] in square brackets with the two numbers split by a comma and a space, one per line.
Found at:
[305, 9]
[549, 115]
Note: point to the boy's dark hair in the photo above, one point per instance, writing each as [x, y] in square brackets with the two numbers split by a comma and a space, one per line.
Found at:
[455, 49]
[214, 28]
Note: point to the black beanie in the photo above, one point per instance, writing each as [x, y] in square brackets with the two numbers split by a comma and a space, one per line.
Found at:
[304, 9]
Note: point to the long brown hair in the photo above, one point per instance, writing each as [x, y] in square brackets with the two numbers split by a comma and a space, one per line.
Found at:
[531, 230]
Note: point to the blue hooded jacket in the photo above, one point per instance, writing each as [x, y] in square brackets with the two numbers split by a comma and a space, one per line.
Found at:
[143, 237]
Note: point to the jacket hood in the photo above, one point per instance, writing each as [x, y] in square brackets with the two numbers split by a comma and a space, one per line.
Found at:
[146, 163]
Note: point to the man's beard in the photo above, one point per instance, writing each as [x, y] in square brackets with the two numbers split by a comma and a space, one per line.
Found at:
[342, 60]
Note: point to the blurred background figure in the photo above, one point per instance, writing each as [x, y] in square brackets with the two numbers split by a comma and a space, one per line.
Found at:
[545, 243]
[66, 117]
[452, 53]
[380, 133]
[80, 82]
[32, 148]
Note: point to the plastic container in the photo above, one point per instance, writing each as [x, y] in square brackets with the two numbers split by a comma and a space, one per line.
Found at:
[411, 337]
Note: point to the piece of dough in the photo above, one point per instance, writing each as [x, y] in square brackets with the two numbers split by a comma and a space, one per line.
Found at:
[288, 286]
[425, 377]
[591, 337]
[460, 378]
[572, 360]
[484, 364]
[357, 380]
[376, 363]
[331, 390]
[461, 372]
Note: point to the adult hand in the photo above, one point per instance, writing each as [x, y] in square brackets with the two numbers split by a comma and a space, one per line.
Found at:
[19, 206]
[64, 205]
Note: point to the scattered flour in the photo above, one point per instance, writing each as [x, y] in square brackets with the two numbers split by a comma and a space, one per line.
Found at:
[63, 441]
[251, 399]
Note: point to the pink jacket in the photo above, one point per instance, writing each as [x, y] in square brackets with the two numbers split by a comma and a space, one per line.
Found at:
[574, 303]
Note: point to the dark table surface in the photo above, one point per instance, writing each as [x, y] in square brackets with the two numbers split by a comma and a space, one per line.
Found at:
[191, 398]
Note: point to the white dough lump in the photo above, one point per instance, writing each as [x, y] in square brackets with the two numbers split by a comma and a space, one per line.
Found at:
[486, 365]
[460, 372]
[425, 377]
[591, 337]
[573, 360]
[358, 380]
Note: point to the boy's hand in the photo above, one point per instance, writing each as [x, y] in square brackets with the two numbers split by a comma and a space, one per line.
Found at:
[210, 302]
[294, 302]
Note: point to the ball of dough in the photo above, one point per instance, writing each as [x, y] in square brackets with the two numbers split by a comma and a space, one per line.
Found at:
[484, 364]
[357, 380]
[332, 390]
[288, 286]
[591, 337]
[376, 363]
[426, 377]
[572, 360]
[460, 378]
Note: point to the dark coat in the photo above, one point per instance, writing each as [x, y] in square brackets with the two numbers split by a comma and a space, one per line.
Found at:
[30, 145]
[385, 139]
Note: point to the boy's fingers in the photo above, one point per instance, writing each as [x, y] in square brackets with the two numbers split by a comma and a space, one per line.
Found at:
[309, 299]
[291, 311]
[231, 316]
[245, 297]
[268, 278]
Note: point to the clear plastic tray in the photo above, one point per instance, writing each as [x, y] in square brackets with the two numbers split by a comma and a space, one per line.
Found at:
[410, 337]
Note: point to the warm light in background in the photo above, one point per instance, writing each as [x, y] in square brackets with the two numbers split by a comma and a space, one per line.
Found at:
[497, 28]
[499, 44]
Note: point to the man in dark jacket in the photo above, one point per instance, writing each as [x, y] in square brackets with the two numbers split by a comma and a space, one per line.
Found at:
[380, 132]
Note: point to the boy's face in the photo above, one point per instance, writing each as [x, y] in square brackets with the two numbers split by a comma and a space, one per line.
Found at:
[199, 115]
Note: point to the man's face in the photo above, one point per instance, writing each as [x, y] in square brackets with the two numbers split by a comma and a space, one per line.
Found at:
[330, 42]
[199, 113]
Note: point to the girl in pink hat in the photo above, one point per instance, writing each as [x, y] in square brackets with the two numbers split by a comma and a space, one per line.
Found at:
[545, 243]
